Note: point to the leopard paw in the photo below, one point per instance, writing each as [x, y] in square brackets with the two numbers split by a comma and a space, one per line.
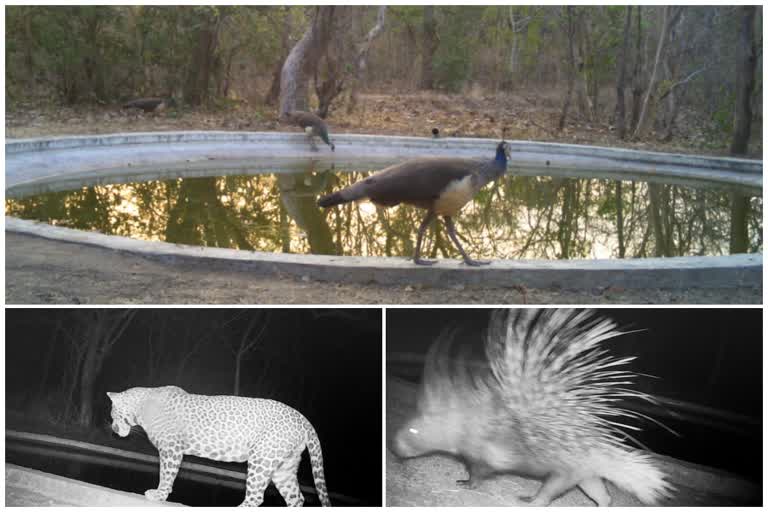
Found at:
[155, 494]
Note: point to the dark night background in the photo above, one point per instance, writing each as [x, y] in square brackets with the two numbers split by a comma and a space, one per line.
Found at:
[326, 363]
[706, 366]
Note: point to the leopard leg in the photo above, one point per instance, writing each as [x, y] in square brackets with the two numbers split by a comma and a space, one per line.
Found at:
[170, 461]
[260, 471]
[286, 481]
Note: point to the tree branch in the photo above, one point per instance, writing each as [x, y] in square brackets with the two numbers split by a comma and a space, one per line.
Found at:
[681, 82]
[365, 46]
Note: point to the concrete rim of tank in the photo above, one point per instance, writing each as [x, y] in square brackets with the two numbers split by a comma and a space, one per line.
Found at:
[49, 159]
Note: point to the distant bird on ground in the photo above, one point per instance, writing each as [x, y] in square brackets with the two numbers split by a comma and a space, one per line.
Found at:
[313, 126]
[151, 104]
[435, 133]
[442, 186]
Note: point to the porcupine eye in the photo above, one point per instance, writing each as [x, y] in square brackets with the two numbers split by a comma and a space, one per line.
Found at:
[413, 430]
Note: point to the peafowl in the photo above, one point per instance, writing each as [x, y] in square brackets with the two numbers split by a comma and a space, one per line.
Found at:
[151, 104]
[312, 125]
[442, 186]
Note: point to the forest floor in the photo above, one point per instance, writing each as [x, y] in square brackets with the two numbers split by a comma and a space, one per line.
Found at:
[44, 271]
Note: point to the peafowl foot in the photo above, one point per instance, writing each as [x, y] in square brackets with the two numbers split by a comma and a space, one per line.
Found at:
[426, 263]
[475, 263]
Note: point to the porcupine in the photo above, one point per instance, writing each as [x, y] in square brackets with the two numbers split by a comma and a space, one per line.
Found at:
[543, 403]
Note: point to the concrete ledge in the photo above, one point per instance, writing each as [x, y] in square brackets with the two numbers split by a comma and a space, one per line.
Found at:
[34, 159]
[58, 490]
[15, 146]
[743, 270]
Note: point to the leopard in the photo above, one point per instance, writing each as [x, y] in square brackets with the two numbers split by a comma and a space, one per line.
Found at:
[267, 434]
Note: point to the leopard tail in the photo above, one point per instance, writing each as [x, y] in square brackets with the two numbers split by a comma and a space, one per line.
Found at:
[318, 473]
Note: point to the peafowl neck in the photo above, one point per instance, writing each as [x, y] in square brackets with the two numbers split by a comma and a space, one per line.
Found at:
[501, 156]
[496, 168]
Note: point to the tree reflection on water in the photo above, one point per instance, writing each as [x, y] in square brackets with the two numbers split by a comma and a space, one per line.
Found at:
[542, 217]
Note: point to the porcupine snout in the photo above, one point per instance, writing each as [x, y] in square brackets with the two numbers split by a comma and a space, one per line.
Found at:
[421, 435]
[408, 442]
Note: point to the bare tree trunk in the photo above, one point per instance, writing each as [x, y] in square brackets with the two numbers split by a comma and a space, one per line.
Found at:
[226, 80]
[199, 75]
[571, 67]
[514, 49]
[87, 379]
[93, 62]
[672, 64]
[429, 44]
[621, 127]
[361, 63]
[303, 59]
[637, 83]
[672, 104]
[742, 116]
[274, 89]
[48, 359]
[589, 95]
[139, 34]
[516, 25]
[248, 343]
[669, 18]
[30, 43]
[327, 90]
[238, 364]
[101, 330]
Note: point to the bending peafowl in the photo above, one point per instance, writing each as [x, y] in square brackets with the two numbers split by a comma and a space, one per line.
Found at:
[442, 186]
[313, 126]
[151, 104]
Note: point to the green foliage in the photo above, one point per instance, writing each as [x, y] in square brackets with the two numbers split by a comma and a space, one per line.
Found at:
[723, 115]
[107, 54]
[104, 53]
[406, 15]
[458, 29]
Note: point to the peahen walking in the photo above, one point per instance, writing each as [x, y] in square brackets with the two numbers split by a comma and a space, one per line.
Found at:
[442, 186]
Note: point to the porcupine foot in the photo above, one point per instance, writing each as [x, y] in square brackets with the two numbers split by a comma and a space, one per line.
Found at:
[478, 471]
[595, 489]
[555, 485]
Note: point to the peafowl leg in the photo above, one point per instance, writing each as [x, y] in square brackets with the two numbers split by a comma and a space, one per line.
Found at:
[420, 238]
[311, 137]
[452, 234]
